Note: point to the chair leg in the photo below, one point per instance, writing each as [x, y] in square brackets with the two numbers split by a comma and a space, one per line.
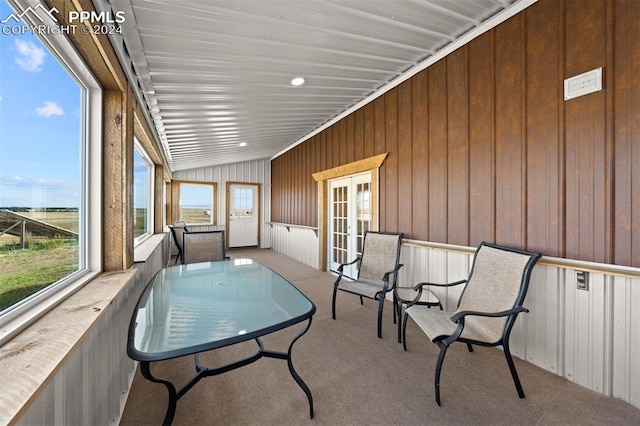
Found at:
[333, 302]
[469, 347]
[404, 330]
[395, 302]
[512, 368]
[380, 306]
[361, 301]
[398, 312]
[443, 351]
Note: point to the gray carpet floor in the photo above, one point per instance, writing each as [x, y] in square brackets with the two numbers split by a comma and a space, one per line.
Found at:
[358, 379]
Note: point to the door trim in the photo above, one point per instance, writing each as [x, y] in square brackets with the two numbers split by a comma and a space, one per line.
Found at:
[227, 203]
[350, 184]
[371, 164]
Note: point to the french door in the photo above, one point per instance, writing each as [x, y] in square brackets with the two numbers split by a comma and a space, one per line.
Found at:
[350, 216]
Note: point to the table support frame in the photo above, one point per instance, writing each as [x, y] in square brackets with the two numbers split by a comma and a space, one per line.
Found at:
[202, 372]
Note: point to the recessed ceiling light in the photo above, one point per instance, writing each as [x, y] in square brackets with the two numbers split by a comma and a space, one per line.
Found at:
[242, 144]
[298, 81]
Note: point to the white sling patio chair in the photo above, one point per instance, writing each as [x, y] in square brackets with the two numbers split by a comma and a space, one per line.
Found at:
[487, 309]
[377, 271]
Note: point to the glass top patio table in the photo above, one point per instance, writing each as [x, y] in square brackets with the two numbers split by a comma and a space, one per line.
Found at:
[192, 308]
[187, 309]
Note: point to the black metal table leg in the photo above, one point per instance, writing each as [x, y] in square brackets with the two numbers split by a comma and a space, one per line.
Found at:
[295, 375]
[173, 399]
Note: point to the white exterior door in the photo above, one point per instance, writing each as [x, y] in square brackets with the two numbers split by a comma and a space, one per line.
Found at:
[243, 215]
[349, 218]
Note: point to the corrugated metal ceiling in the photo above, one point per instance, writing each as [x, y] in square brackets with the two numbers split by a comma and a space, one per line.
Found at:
[217, 73]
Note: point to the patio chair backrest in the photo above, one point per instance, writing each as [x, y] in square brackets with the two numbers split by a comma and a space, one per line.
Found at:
[203, 246]
[498, 282]
[177, 229]
[380, 254]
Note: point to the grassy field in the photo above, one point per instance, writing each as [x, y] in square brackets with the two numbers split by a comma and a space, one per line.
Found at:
[26, 271]
[67, 220]
[196, 216]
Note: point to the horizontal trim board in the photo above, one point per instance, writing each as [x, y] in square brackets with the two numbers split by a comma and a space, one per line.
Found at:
[600, 268]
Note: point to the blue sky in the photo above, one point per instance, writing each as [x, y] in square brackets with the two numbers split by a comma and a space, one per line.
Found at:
[39, 125]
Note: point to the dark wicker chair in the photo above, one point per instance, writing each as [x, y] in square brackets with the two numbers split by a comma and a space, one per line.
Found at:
[487, 309]
[380, 259]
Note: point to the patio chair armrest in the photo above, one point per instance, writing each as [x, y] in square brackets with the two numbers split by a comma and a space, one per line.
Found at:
[460, 315]
[385, 277]
[342, 265]
[410, 302]
[422, 284]
[385, 280]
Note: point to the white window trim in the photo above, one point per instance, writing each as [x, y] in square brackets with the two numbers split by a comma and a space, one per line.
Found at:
[150, 189]
[212, 186]
[24, 314]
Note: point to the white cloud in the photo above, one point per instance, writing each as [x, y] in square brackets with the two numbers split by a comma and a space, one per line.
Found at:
[30, 57]
[10, 180]
[30, 182]
[49, 109]
[37, 192]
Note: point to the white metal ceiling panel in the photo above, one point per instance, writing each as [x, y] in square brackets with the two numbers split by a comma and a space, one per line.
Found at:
[216, 73]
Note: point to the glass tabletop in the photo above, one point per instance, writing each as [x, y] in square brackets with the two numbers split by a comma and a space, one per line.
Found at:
[196, 307]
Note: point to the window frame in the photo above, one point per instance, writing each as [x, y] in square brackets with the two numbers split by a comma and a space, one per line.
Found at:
[24, 313]
[138, 148]
[214, 204]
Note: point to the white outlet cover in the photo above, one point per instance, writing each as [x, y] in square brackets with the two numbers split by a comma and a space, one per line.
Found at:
[582, 84]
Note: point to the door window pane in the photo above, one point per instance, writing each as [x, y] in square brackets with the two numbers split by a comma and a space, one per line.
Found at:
[243, 202]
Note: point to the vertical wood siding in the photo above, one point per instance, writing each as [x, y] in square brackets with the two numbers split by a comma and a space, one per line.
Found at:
[544, 127]
[482, 145]
[626, 132]
[587, 160]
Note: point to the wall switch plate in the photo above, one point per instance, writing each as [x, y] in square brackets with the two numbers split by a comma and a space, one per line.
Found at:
[582, 280]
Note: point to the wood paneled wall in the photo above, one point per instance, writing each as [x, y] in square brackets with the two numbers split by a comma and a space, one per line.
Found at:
[482, 145]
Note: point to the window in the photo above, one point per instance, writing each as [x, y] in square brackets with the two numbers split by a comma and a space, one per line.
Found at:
[143, 173]
[50, 112]
[243, 202]
[165, 204]
[196, 203]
